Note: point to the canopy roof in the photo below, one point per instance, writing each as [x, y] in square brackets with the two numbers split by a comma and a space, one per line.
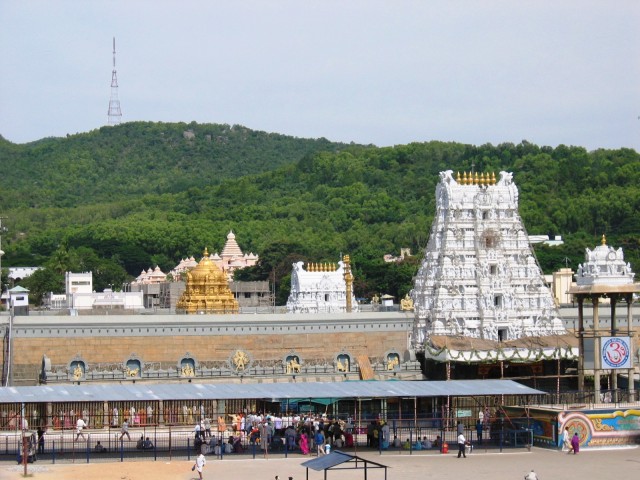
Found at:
[335, 458]
[265, 391]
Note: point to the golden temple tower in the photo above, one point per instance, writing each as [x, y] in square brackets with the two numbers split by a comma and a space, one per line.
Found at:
[207, 290]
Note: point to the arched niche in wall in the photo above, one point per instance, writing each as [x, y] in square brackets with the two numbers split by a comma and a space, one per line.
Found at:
[292, 363]
[343, 362]
[77, 369]
[133, 367]
[392, 360]
[187, 366]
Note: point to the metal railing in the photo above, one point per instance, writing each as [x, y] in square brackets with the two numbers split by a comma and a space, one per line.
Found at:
[153, 443]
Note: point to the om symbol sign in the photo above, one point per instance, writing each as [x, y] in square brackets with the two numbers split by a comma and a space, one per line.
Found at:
[615, 352]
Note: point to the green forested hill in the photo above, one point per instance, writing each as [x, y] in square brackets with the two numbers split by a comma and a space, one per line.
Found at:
[139, 158]
[331, 199]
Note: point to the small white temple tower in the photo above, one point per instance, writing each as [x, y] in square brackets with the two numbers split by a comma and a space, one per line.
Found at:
[322, 288]
[479, 277]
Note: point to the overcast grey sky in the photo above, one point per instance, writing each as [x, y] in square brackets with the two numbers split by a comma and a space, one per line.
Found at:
[382, 72]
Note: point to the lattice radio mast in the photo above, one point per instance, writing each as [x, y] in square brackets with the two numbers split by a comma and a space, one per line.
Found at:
[115, 114]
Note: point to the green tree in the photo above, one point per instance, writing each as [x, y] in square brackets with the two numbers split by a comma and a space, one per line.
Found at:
[42, 282]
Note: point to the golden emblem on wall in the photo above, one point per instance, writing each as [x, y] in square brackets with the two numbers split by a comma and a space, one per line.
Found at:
[240, 360]
[77, 372]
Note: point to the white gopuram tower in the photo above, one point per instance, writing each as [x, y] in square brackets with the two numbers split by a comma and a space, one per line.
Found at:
[479, 277]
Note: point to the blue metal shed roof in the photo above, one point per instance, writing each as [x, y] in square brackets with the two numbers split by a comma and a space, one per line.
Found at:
[335, 458]
[266, 391]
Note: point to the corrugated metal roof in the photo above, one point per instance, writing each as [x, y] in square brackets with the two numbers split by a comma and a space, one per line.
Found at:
[267, 391]
[335, 458]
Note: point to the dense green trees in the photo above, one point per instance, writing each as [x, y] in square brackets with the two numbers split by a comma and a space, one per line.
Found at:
[142, 194]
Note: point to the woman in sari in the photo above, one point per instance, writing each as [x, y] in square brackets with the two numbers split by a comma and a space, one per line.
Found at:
[304, 444]
[575, 443]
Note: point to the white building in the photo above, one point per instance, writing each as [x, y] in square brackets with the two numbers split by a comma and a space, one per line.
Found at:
[19, 300]
[479, 277]
[80, 295]
[320, 288]
[20, 273]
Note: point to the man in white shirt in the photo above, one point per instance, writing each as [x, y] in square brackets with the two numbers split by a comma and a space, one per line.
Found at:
[80, 424]
[531, 476]
[200, 463]
[461, 445]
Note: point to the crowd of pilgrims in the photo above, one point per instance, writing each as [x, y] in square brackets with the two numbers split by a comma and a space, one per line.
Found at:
[295, 433]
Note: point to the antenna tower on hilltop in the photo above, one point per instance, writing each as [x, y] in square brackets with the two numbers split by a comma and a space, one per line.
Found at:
[115, 114]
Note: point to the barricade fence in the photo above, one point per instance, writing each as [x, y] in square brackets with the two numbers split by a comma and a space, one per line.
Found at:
[150, 442]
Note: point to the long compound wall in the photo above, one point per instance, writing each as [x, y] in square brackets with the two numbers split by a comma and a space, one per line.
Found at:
[161, 341]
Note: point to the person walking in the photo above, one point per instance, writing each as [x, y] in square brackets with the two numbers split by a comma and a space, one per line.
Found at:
[125, 429]
[319, 440]
[462, 443]
[566, 441]
[575, 443]
[264, 439]
[199, 465]
[80, 425]
[40, 440]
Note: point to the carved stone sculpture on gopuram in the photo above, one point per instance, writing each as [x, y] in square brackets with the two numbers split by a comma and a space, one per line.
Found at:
[479, 277]
[207, 290]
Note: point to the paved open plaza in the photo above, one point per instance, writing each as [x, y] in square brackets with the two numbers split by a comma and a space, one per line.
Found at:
[548, 464]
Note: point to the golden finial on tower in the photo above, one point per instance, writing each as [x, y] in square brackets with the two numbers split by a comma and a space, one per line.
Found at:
[458, 178]
[206, 252]
[604, 239]
[493, 178]
[465, 180]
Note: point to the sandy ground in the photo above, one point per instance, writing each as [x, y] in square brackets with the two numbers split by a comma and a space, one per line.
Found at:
[594, 464]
